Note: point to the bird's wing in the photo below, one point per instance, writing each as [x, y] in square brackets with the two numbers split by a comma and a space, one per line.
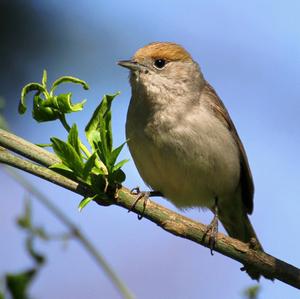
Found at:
[246, 177]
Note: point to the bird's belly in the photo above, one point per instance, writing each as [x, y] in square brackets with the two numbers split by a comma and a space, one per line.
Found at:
[191, 167]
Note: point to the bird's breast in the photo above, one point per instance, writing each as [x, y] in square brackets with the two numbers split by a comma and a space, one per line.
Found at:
[188, 155]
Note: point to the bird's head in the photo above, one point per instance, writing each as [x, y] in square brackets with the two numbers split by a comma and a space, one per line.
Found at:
[162, 65]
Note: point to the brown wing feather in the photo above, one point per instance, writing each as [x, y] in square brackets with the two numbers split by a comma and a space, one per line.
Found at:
[246, 176]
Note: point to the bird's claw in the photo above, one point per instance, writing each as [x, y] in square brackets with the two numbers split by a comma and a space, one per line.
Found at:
[211, 232]
[139, 195]
[212, 228]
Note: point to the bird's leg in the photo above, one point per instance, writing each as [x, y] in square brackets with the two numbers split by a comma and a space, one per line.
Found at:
[212, 228]
[142, 194]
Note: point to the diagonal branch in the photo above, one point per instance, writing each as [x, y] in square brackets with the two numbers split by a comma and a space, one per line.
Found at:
[44, 173]
[170, 221]
[27, 149]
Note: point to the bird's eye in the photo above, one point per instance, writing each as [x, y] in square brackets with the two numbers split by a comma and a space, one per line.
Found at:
[159, 63]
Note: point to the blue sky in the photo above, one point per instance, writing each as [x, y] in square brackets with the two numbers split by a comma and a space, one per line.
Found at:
[250, 53]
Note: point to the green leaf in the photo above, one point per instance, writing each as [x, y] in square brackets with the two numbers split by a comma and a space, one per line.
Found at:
[50, 102]
[117, 177]
[73, 139]
[85, 201]
[105, 121]
[103, 149]
[65, 104]
[106, 130]
[41, 113]
[102, 153]
[17, 284]
[60, 166]
[68, 155]
[92, 130]
[26, 89]
[93, 138]
[90, 163]
[99, 170]
[99, 183]
[44, 144]
[100, 162]
[68, 79]
[101, 121]
[119, 165]
[115, 153]
[44, 79]
[63, 170]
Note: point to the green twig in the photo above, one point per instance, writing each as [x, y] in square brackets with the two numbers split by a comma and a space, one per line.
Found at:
[63, 121]
[76, 232]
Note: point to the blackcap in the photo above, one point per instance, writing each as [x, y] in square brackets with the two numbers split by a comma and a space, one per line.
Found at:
[183, 141]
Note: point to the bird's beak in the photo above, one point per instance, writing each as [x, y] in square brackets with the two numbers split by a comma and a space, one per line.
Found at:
[130, 64]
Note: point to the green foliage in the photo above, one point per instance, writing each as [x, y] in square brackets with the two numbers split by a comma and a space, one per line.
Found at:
[68, 155]
[99, 134]
[99, 168]
[46, 105]
[85, 201]
[17, 284]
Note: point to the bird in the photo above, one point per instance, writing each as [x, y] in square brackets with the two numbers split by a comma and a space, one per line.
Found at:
[183, 141]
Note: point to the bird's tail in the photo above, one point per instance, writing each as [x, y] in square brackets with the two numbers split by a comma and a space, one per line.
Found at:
[240, 227]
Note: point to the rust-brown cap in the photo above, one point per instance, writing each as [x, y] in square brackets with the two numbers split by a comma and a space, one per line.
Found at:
[163, 50]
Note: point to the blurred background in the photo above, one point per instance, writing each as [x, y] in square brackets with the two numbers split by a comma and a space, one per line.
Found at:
[248, 50]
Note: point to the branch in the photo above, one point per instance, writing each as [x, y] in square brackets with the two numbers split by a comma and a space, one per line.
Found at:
[170, 221]
[47, 174]
[27, 149]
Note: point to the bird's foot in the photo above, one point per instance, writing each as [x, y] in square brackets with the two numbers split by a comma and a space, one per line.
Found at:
[211, 232]
[142, 195]
[212, 228]
[254, 244]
